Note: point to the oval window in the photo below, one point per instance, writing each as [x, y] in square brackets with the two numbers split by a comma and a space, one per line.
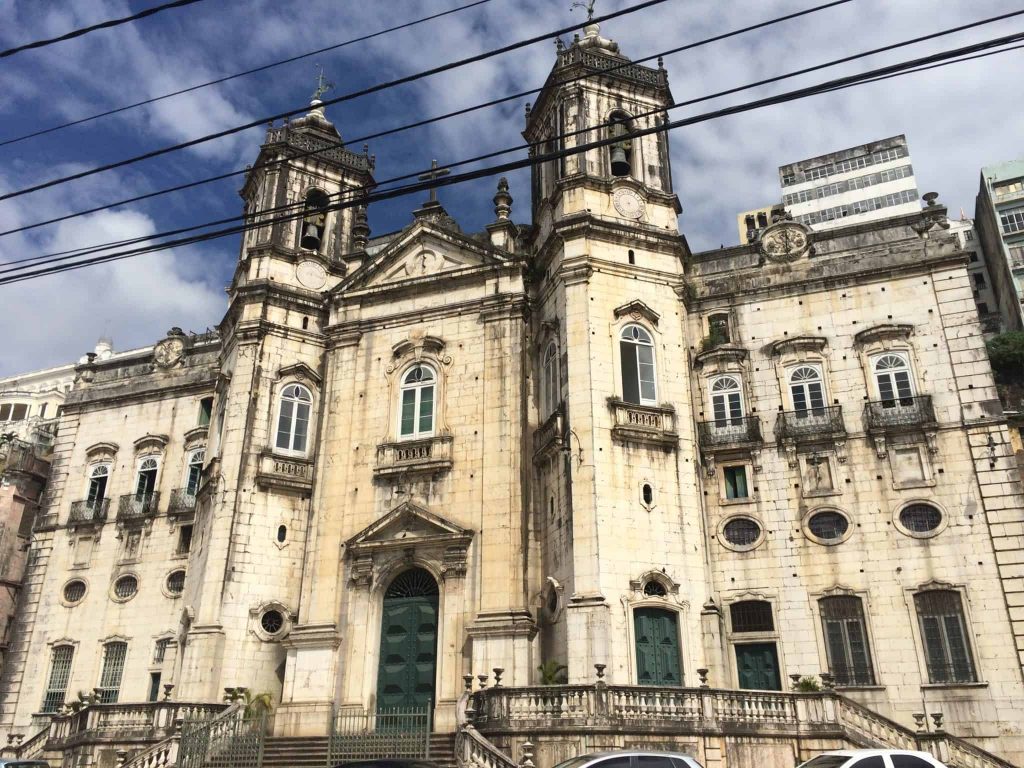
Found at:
[74, 591]
[742, 531]
[282, 534]
[828, 526]
[920, 518]
[648, 494]
[126, 587]
[176, 582]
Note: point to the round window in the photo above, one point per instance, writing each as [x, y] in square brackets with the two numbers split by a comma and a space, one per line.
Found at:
[74, 591]
[654, 589]
[272, 622]
[126, 587]
[742, 532]
[828, 526]
[176, 582]
[920, 518]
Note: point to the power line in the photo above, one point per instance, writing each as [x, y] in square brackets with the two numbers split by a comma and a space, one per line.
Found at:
[252, 71]
[102, 25]
[905, 67]
[326, 102]
[806, 70]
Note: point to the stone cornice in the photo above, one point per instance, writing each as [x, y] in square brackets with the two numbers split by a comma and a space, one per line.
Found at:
[799, 344]
[885, 331]
[726, 353]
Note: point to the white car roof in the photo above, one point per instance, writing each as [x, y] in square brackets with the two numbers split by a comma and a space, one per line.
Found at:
[870, 752]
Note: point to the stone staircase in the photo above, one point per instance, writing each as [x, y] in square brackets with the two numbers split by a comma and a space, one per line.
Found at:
[311, 751]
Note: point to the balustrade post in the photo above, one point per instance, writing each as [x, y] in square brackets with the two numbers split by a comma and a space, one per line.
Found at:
[122, 757]
[918, 721]
[498, 672]
[602, 706]
[526, 755]
[708, 713]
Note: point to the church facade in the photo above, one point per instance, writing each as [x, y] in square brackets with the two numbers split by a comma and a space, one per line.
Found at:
[408, 458]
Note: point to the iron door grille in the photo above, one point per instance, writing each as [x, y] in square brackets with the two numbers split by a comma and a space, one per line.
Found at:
[60, 674]
[113, 669]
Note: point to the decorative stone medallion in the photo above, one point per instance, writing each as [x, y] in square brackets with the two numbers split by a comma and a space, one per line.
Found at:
[169, 351]
[786, 241]
[628, 203]
[422, 263]
[311, 274]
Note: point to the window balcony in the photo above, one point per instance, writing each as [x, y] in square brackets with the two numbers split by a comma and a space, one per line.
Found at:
[811, 424]
[89, 512]
[899, 415]
[286, 473]
[549, 437]
[183, 502]
[137, 507]
[427, 456]
[729, 433]
[645, 424]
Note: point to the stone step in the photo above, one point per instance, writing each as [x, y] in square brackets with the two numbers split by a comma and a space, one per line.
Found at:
[311, 751]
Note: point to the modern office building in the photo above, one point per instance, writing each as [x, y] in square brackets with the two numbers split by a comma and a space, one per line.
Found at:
[999, 219]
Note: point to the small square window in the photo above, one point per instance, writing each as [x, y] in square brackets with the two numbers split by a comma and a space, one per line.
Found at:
[735, 482]
[205, 409]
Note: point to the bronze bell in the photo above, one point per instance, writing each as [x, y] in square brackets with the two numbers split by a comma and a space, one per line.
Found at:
[310, 236]
[620, 163]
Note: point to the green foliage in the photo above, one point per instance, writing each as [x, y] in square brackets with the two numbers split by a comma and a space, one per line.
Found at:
[553, 673]
[257, 704]
[715, 338]
[1006, 351]
[808, 684]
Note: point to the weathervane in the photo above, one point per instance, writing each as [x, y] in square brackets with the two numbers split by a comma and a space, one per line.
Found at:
[587, 6]
[322, 85]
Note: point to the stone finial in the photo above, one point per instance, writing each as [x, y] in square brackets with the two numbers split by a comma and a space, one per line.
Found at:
[600, 668]
[229, 694]
[702, 673]
[168, 687]
[828, 681]
[467, 681]
[122, 757]
[794, 679]
[937, 719]
[483, 681]
[502, 200]
[498, 672]
[526, 755]
[918, 720]
[360, 229]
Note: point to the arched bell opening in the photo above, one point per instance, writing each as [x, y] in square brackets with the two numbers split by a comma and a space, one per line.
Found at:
[314, 219]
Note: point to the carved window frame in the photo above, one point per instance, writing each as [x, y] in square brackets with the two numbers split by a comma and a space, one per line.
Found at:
[417, 389]
[279, 399]
[864, 595]
[670, 602]
[620, 330]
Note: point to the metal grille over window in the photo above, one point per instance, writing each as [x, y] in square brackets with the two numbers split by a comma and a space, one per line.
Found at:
[742, 532]
[752, 616]
[828, 526]
[113, 669]
[920, 518]
[654, 588]
[60, 674]
[160, 649]
[126, 587]
[846, 641]
[272, 622]
[74, 591]
[413, 583]
[176, 582]
[944, 631]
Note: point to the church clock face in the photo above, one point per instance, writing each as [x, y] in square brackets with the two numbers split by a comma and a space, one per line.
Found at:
[785, 242]
[628, 203]
[311, 275]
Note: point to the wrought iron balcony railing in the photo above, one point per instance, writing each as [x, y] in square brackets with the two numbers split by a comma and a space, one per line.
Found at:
[810, 423]
[727, 432]
[88, 511]
[899, 413]
[845, 676]
[137, 506]
[182, 500]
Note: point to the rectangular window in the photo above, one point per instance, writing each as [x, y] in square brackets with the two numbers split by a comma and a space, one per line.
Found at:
[113, 669]
[154, 686]
[184, 540]
[968, 234]
[42, 410]
[735, 482]
[1016, 260]
[846, 642]
[205, 411]
[816, 173]
[160, 650]
[19, 411]
[1012, 220]
[973, 257]
[944, 631]
[788, 179]
[60, 674]
[5, 412]
[982, 308]
[426, 409]
[979, 279]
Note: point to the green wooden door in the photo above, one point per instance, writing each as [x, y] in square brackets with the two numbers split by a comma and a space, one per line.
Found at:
[657, 647]
[757, 665]
[408, 642]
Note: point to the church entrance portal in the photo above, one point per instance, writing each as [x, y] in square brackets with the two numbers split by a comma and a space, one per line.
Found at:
[657, 647]
[408, 642]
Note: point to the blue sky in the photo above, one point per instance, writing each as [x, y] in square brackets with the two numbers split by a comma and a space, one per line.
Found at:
[957, 119]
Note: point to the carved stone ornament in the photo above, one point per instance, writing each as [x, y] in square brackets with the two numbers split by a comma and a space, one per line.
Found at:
[628, 204]
[169, 352]
[423, 262]
[785, 241]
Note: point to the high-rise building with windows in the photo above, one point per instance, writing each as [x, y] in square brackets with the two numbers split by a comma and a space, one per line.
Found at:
[863, 183]
[999, 218]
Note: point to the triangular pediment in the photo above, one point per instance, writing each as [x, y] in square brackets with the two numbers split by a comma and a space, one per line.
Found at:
[406, 525]
[423, 251]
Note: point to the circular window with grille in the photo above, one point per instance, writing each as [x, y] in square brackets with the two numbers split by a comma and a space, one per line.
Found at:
[920, 519]
[175, 582]
[74, 592]
[125, 588]
[827, 527]
[272, 621]
[741, 533]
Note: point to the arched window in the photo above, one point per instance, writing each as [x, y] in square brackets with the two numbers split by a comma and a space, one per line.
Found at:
[846, 640]
[893, 377]
[97, 485]
[314, 219]
[194, 473]
[293, 420]
[637, 351]
[944, 632]
[145, 483]
[726, 401]
[806, 389]
[621, 151]
[417, 414]
[551, 384]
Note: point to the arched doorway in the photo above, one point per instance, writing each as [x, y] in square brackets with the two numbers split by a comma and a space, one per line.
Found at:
[657, 647]
[408, 641]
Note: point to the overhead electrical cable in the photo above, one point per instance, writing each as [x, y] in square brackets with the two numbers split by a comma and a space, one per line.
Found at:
[905, 67]
[102, 25]
[252, 71]
[466, 110]
[327, 102]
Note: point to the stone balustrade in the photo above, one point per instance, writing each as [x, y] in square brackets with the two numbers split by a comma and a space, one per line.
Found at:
[549, 436]
[428, 456]
[289, 473]
[147, 720]
[645, 424]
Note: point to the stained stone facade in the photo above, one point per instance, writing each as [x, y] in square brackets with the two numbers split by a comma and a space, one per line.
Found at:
[434, 453]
